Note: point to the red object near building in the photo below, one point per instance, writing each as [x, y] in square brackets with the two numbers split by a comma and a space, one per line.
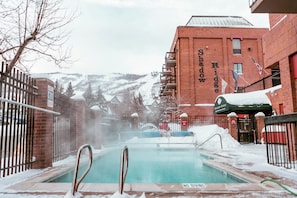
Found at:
[164, 126]
[274, 134]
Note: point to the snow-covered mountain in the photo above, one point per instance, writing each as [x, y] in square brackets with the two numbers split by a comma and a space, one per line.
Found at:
[113, 84]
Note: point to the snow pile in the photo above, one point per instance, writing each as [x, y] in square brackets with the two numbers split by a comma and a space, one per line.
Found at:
[125, 195]
[206, 137]
[211, 134]
[19, 177]
[76, 195]
[115, 195]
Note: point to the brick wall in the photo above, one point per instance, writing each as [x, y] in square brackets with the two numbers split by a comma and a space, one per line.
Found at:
[84, 126]
[275, 18]
[80, 123]
[278, 45]
[196, 85]
[43, 127]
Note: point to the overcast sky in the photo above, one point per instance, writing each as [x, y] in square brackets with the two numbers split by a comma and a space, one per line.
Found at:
[132, 36]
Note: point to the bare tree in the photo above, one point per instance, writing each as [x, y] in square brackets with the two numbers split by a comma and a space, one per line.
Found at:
[33, 29]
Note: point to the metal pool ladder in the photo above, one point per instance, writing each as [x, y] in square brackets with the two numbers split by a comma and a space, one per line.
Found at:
[75, 181]
[123, 168]
[197, 146]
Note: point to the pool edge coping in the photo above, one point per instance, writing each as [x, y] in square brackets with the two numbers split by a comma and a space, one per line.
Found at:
[37, 183]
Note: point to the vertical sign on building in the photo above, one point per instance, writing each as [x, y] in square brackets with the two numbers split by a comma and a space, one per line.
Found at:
[50, 96]
[201, 66]
[215, 65]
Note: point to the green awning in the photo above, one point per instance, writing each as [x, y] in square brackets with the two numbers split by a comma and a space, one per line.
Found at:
[243, 103]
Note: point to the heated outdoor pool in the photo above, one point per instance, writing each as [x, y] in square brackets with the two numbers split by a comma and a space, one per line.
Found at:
[154, 165]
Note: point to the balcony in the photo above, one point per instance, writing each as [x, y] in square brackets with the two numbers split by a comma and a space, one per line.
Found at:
[166, 93]
[163, 80]
[273, 6]
[170, 86]
[168, 76]
[170, 60]
[166, 73]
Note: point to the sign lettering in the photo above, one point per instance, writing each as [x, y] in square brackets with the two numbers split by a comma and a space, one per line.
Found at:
[201, 65]
[215, 65]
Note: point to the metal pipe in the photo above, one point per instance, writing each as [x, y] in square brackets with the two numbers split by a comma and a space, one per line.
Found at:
[123, 169]
[210, 138]
[75, 181]
[29, 106]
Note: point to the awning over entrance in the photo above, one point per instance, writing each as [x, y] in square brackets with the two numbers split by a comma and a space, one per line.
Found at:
[243, 103]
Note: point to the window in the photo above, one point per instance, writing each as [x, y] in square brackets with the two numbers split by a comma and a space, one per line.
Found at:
[293, 63]
[236, 46]
[276, 80]
[238, 68]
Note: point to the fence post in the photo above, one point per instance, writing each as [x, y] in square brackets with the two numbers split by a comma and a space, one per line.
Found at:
[43, 125]
[232, 125]
[260, 125]
[80, 122]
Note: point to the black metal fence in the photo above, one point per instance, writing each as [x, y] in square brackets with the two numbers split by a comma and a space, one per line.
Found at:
[17, 92]
[281, 140]
[64, 138]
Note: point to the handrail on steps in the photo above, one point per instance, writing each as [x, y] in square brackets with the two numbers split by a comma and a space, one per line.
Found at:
[123, 168]
[209, 139]
[75, 181]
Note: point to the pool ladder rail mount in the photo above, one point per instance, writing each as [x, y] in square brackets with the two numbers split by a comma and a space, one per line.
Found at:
[75, 181]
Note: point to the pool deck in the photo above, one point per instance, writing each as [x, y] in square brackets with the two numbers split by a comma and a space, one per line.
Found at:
[254, 188]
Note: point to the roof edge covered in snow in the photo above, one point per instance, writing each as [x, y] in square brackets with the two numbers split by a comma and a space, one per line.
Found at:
[254, 101]
[219, 21]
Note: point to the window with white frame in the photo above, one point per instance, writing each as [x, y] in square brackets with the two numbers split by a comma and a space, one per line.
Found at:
[236, 46]
[237, 67]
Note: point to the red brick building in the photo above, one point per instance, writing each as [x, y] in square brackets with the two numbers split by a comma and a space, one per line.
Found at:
[280, 53]
[202, 58]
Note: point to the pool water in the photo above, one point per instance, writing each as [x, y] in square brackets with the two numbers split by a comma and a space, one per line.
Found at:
[153, 165]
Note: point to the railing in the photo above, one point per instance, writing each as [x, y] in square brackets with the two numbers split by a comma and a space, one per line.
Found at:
[17, 96]
[197, 146]
[29, 106]
[280, 136]
[123, 168]
[75, 181]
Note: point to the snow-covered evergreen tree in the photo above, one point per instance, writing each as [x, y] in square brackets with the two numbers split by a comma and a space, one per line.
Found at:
[126, 106]
[100, 100]
[89, 96]
[58, 87]
[138, 105]
[69, 91]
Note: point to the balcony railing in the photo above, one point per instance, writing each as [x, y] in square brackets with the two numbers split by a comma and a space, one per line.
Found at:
[170, 60]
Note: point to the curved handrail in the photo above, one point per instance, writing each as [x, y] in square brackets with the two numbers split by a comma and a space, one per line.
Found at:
[210, 138]
[75, 181]
[123, 169]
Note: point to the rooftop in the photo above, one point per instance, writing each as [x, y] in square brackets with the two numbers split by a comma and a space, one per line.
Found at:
[219, 21]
